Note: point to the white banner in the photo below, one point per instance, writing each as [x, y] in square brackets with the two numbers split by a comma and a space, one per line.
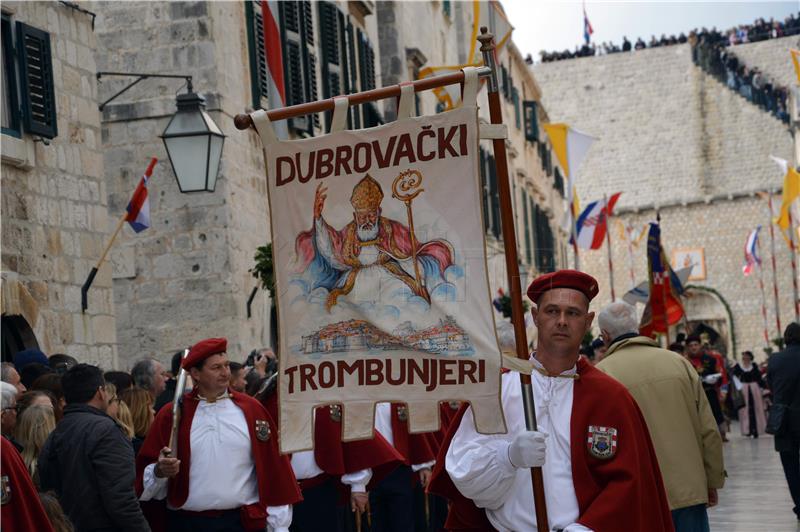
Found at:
[381, 279]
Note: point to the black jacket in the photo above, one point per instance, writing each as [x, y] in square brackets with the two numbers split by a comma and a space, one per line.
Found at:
[88, 461]
[783, 375]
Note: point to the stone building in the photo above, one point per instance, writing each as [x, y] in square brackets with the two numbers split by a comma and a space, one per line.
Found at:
[187, 276]
[54, 201]
[678, 142]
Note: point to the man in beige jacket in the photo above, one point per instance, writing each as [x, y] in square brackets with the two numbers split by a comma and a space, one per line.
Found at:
[670, 395]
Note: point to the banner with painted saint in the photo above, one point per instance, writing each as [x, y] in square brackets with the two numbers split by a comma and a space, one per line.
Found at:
[381, 280]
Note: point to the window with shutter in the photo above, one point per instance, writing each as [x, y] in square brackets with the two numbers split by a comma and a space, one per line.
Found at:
[259, 80]
[11, 113]
[485, 191]
[531, 121]
[36, 81]
[517, 110]
[558, 181]
[494, 197]
[297, 36]
[527, 226]
[355, 112]
[334, 60]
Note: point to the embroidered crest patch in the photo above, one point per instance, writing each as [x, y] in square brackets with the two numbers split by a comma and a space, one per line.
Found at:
[262, 429]
[602, 442]
[402, 413]
[336, 413]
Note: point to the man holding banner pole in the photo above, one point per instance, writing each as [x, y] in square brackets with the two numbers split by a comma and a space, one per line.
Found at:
[599, 465]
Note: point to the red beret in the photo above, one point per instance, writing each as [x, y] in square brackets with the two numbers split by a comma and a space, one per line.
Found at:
[574, 279]
[204, 349]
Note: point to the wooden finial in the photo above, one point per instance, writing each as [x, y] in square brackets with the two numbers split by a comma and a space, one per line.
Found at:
[486, 39]
[242, 122]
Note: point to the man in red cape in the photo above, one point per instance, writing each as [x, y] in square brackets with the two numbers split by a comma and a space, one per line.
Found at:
[599, 467]
[228, 474]
[334, 468]
[334, 258]
[21, 509]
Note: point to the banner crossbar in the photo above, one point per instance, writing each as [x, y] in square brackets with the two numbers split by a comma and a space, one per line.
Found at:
[243, 121]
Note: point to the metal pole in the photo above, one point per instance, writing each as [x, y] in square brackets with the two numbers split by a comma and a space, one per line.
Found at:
[793, 255]
[774, 266]
[607, 216]
[763, 294]
[512, 268]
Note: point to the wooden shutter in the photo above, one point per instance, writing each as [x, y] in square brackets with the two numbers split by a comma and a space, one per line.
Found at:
[38, 98]
[485, 191]
[299, 65]
[517, 109]
[494, 197]
[527, 226]
[531, 121]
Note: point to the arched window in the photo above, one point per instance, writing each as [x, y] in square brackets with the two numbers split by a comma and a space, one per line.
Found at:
[17, 336]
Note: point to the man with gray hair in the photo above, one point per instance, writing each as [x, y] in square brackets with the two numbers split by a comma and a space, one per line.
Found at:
[149, 374]
[670, 395]
[9, 374]
[8, 418]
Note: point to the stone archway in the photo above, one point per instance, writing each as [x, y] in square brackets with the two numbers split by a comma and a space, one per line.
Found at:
[707, 309]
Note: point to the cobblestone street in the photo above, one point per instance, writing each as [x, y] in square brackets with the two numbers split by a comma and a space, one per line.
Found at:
[755, 497]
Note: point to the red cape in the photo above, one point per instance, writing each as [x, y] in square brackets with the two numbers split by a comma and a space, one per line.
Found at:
[625, 492]
[415, 448]
[338, 458]
[23, 511]
[276, 483]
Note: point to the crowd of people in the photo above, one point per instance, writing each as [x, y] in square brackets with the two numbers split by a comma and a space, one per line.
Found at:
[712, 52]
[88, 450]
[760, 30]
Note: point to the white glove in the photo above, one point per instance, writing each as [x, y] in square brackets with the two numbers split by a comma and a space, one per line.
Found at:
[527, 449]
[713, 378]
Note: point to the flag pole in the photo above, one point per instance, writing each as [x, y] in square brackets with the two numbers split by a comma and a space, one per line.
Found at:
[664, 276]
[763, 294]
[774, 266]
[608, 245]
[628, 230]
[93, 273]
[793, 256]
[512, 268]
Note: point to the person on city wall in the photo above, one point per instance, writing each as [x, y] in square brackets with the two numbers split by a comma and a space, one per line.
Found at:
[752, 416]
[783, 376]
[670, 395]
[599, 466]
[228, 474]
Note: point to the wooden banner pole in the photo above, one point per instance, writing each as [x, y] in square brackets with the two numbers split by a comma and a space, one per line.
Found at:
[607, 215]
[512, 267]
[93, 273]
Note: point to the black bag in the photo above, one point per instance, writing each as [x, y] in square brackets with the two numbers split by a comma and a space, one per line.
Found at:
[738, 399]
[776, 421]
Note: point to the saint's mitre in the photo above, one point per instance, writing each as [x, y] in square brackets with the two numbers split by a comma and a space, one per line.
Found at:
[367, 195]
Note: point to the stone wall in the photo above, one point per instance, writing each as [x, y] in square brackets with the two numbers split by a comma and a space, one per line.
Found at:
[674, 138]
[186, 277]
[55, 219]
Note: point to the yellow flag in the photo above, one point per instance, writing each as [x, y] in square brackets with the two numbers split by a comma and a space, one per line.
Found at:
[558, 138]
[791, 191]
[796, 62]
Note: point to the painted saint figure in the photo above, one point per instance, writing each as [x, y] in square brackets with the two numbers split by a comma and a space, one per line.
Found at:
[370, 245]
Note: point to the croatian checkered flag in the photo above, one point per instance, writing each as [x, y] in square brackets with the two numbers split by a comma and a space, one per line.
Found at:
[751, 258]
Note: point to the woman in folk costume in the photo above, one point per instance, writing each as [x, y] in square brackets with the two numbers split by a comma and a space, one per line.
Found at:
[752, 419]
[599, 467]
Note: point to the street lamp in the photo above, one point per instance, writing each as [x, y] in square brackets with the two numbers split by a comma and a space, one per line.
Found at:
[194, 144]
[192, 139]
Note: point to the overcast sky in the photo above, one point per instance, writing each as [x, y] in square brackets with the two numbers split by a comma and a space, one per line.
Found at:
[558, 24]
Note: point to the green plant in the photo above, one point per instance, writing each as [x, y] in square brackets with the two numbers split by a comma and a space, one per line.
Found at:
[264, 269]
[504, 305]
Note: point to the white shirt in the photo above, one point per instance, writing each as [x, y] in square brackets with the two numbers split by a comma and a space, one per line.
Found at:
[383, 424]
[480, 468]
[222, 475]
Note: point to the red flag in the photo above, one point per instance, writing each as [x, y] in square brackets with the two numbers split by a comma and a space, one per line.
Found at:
[664, 307]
